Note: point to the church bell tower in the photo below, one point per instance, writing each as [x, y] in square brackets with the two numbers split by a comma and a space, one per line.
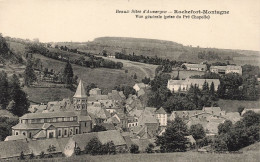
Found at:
[80, 98]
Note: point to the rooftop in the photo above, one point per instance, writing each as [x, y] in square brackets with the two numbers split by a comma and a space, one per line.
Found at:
[80, 92]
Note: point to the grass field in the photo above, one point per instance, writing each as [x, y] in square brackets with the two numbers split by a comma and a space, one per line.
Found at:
[249, 156]
[185, 74]
[104, 78]
[44, 95]
[232, 105]
[141, 69]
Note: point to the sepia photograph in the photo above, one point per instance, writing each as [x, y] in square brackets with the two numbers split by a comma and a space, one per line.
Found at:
[130, 80]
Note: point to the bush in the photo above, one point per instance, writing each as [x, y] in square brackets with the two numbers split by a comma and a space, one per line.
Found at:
[149, 148]
[94, 147]
[77, 151]
[134, 149]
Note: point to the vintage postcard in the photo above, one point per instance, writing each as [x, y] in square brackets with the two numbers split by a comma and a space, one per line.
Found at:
[130, 80]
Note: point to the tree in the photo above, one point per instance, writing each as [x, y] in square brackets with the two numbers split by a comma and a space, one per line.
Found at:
[4, 94]
[6, 125]
[19, 97]
[240, 109]
[134, 149]
[94, 147]
[22, 157]
[135, 76]
[197, 131]
[251, 118]
[32, 155]
[220, 144]
[104, 53]
[173, 139]
[109, 148]
[29, 75]
[68, 74]
[98, 128]
[77, 150]
[42, 155]
[149, 148]
[146, 80]
[224, 127]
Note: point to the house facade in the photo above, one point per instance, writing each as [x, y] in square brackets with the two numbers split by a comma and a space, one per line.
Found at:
[226, 69]
[195, 67]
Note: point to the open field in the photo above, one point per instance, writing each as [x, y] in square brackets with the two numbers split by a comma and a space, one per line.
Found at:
[186, 73]
[141, 69]
[249, 156]
[232, 105]
[44, 95]
[104, 78]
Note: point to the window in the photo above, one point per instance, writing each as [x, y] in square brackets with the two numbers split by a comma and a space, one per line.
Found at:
[71, 118]
[30, 135]
[65, 132]
[71, 131]
[77, 131]
[54, 120]
[59, 133]
[50, 134]
[24, 133]
[16, 133]
[85, 124]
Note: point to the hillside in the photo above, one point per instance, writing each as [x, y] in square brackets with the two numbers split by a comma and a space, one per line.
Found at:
[104, 78]
[163, 49]
[7, 56]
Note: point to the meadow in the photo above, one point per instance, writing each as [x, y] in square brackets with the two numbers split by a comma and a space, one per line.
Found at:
[249, 156]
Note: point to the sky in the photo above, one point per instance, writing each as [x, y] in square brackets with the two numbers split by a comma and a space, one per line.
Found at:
[84, 20]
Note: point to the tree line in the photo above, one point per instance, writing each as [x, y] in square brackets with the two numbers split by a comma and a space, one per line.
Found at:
[148, 60]
[92, 61]
[234, 86]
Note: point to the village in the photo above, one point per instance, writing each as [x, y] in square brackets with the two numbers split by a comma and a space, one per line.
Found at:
[126, 121]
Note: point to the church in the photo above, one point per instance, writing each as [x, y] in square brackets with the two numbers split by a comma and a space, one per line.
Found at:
[57, 124]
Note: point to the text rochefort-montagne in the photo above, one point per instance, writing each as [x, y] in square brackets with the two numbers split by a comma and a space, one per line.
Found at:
[216, 12]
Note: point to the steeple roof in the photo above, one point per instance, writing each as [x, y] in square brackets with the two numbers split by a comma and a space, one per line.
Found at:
[80, 93]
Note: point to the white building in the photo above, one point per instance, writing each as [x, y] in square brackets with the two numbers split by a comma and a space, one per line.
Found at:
[226, 69]
[195, 67]
[161, 115]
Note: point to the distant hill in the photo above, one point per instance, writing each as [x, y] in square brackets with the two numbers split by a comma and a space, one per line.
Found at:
[163, 49]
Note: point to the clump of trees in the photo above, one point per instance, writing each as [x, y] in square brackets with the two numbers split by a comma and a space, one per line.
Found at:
[233, 137]
[234, 86]
[193, 99]
[134, 149]
[12, 97]
[6, 125]
[95, 147]
[127, 90]
[98, 128]
[173, 139]
[29, 75]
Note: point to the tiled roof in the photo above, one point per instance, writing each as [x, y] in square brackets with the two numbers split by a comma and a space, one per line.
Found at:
[80, 92]
[15, 137]
[160, 111]
[48, 115]
[105, 136]
[218, 67]
[40, 134]
[37, 146]
[10, 149]
[195, 65]
[23, 126]
[111, 135]
[233, 67]
[108, 126]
